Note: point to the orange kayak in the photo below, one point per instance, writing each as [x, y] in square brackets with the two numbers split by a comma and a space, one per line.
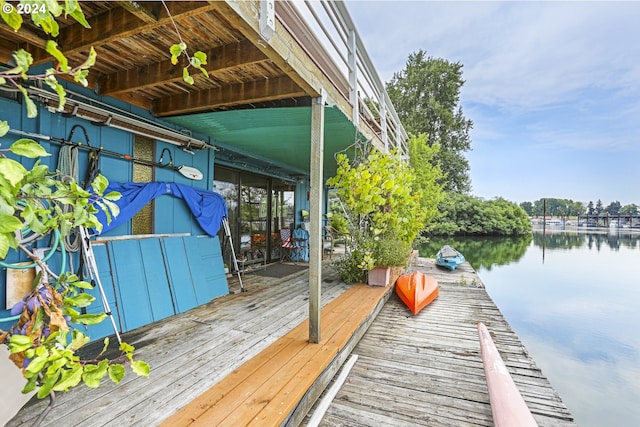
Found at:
[507, 405]
[417, 290]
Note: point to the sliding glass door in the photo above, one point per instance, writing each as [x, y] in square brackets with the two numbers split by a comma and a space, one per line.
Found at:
[259, 207]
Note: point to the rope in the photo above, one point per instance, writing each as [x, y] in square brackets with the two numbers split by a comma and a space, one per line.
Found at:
[68, 169]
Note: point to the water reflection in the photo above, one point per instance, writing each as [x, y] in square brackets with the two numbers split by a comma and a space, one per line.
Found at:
[572, 299]
[592, 240]
[482, 252]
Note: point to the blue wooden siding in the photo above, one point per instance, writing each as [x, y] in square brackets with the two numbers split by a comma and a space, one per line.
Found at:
[143, 284]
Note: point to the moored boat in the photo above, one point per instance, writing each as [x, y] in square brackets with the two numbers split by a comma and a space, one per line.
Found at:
[449, 258]
[507, 405]
[417, 290]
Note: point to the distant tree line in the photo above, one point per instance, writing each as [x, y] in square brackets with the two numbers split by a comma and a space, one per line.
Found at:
[468, 215]
[567, 207]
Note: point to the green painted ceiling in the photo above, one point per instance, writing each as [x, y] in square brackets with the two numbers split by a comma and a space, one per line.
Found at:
[277, 136]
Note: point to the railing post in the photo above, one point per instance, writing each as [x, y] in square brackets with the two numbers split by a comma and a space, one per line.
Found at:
[353, 76]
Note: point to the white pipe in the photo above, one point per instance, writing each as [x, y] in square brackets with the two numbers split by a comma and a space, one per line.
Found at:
[322, 407]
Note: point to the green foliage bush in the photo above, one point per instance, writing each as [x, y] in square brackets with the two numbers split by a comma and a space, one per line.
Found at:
[383, 209]
[468, 215]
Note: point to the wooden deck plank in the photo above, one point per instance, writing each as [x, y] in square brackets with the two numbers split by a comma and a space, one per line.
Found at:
[269, 386]
[427, 369]
[244, 359]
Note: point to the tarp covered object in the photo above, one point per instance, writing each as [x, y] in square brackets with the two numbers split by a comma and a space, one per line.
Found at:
[207, 207]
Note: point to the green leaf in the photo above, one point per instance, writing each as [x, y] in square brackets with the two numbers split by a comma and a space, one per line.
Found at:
[100, 184]
[77, 14]
[18, 343]
[52, 49]
[127, 348]
[80, 300]
[113, 196]
[186, 77]
[82, 284]
[70, 378]
[47, 22]
[201, 57]
[13, 18]
[79, 339]
[37, 364]
[28, 148]
[140, 368]
[105, 346]
[7, 242]
[32, 109]
[90, 319]
[30, 385]
[9, 223]
[93, 374]
[116, 373]
[90, 61]
[23, 62]
[53, 7]
[4, 127]
[47, 384]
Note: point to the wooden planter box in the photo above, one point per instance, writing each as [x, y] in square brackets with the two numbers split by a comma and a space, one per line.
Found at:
[384, 276]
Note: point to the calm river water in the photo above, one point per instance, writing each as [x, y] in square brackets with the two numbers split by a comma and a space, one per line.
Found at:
[573, 298]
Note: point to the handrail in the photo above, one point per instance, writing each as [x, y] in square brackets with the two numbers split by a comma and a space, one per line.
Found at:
[324, 29]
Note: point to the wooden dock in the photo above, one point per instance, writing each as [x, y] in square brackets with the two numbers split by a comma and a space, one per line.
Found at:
[427, 369]
[244, 359]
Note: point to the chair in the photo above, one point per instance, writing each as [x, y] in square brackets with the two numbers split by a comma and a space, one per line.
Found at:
[329, 240]
[286, 245]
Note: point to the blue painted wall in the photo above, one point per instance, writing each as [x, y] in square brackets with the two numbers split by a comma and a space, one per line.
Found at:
[129, 270]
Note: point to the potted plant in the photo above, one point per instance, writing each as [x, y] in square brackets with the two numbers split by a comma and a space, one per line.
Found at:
[388, 253]
[383, 213]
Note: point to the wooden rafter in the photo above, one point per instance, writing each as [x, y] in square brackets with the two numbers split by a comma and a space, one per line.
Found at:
[220, 59]
[118, 23]
[241, 93]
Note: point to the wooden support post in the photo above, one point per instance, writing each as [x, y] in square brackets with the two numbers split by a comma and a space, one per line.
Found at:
[315, 217]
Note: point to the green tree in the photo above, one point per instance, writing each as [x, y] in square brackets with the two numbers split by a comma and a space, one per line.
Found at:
[426, 95]
[428, 176]
[598, 209]
[527, 207]
[469, 215]
[613, 208]
[631, 209]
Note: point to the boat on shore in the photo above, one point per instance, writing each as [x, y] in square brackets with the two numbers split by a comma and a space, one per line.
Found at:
[507, 405]
[449, 258]
[417, 290]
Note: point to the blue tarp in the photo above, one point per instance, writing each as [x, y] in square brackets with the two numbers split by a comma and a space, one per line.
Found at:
[207, 207]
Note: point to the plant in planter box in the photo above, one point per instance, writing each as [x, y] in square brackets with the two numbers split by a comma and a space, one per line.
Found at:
[383, 211]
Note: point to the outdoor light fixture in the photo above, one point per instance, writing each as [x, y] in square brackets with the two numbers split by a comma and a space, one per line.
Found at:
[119, 120]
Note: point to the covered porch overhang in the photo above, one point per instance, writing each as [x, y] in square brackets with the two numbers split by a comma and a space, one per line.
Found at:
[275, 138]
[289, 83]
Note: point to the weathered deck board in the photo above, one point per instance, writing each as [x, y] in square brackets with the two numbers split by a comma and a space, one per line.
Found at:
[427, 369]
[412, 370]
[189, 353]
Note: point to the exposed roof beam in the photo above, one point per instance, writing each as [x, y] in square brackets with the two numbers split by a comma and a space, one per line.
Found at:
[219, 59]
[140, 10]
[241, 93]
[118, 23]
[23, 39]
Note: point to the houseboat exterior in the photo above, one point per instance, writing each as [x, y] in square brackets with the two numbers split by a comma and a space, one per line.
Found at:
[286, 89]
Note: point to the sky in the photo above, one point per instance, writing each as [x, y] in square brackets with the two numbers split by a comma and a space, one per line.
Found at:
[552, 88]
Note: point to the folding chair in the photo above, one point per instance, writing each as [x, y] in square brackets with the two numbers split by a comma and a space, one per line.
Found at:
[286, 245]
